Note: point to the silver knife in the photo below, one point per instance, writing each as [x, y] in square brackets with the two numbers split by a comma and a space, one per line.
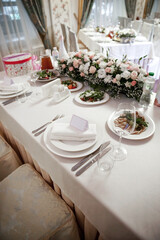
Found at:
[95, 159]
[84, 160]
[15, 98]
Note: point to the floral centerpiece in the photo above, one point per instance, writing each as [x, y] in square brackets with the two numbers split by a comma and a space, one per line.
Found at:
[104, 73]
[126, 35]
[100, 29]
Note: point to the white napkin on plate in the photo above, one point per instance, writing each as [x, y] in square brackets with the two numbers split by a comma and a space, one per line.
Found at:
[15, 87]
[63, 131]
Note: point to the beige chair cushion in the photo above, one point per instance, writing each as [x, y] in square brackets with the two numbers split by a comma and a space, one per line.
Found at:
[31, 210]
[9, 160]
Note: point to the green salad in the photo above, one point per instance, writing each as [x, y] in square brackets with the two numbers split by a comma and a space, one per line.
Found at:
[45, 74]
[91, 96]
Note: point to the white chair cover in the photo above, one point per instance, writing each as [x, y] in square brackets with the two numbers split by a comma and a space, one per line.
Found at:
[124, 22]
[65, 33]
[73, 42]
[156, 40]
[137, 25]
[147, 30]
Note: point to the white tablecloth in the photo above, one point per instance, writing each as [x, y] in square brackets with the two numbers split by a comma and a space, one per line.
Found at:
[133, 51]
[123, 205]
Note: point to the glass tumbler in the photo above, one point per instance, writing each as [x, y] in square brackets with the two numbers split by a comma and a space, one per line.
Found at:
[105, 163]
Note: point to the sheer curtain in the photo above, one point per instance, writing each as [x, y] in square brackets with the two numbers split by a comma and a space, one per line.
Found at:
[17, 32]
[105, 12]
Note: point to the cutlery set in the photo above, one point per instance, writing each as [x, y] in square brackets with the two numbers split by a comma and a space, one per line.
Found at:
[13, 99]
[94, 157]
[41, 129]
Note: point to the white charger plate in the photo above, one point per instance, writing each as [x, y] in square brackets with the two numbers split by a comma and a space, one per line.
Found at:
[147, 133]
[67, 154]
[26, 88]
[72, 146]
[78, 100]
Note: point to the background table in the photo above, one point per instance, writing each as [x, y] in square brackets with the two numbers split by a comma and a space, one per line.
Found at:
[123, 205]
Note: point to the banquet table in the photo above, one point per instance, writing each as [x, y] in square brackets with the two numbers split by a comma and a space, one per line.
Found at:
[94, 42]
[124, 204]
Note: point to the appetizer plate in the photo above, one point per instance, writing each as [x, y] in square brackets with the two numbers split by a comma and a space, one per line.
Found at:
[26, 88]
[147, 133]
[67, 154]
[51, 78]
[73, 146]
[78, 100]
[79, 85]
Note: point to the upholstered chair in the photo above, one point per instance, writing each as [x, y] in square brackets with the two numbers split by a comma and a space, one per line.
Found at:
[30, 209]
[9, 161]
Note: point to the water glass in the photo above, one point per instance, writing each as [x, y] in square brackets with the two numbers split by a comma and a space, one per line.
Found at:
[105, 163]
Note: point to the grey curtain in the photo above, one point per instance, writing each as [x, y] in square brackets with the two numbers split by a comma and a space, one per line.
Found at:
[149, 7]
[35, 12]
[87, 6]
[130, 8]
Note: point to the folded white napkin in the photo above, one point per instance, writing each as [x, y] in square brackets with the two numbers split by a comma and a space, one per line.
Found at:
[63, 131]
[15, 87]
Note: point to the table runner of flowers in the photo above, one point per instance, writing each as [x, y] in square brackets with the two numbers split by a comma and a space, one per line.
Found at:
[104, 73]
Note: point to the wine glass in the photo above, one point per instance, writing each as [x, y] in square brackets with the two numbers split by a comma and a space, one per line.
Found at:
[124, 122]
[34, 78]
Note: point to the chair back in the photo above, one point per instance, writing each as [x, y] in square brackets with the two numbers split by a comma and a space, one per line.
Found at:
[124, 22]
[147, 30]
[65, 33]
[137, 25]
[73, 42]
[156, 40]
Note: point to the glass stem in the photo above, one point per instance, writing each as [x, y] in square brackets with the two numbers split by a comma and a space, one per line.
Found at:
[120, 139]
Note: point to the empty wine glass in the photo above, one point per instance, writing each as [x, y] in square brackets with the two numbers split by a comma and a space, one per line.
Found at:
[124, 122]
[36, 93]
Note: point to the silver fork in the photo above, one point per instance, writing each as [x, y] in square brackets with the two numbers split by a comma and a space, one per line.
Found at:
[45, 125]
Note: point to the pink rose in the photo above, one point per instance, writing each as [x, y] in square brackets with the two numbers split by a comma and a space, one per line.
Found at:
[98, 61]
[91, 57]
[71, 69]
[108, 70]
[110, 63]
[62, 60]
[114, 80]
[79, 61]
[133, 83]
[78, 54]
[63, 66]
[82, 74]
[86, 59]
[134, 75]
[92, 69]
[75, 63]
[130, 68]
[136, 69]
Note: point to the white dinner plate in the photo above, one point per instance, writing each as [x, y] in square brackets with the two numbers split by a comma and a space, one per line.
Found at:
[51, 78]
[78, 100]
[50, 145]
[72, 146]
[147, 133]
[79, 85]
[26, 88]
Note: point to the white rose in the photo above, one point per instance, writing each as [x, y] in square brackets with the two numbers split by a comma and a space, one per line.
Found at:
[118, 77]
[127, 84]
[126, 74]
[86, 66]
[101, 73]
[102, 64]
[81, 68]
[108, 79]
[123, 67]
